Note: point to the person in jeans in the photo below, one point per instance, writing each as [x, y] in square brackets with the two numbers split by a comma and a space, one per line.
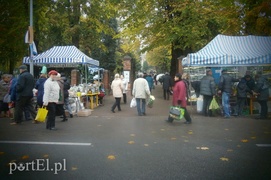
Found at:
[141, 91]
[225, 87]
[207, 89]
[117, 89]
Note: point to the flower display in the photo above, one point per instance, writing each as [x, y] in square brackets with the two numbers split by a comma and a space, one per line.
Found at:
[151, 101]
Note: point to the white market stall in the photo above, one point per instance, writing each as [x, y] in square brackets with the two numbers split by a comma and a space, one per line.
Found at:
[240, 53]
[65, 57]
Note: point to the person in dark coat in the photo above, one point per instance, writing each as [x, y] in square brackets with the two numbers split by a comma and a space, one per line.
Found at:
[242, 90]
[40, 87]
[150, 81]
[24, 95]
[207, 89]
[67, 105]
[261, 90]
[60, 104]
[167, 85]
[179, 98]
[225, 87]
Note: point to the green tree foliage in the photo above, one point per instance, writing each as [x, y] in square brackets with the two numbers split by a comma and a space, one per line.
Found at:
[257, 17]
[159, 58]
[13, 26]
[184, 25]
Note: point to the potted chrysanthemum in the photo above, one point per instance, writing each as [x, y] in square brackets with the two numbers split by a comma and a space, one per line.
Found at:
[151, 101]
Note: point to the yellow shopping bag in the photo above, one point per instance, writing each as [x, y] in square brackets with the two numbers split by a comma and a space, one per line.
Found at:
[41, 115]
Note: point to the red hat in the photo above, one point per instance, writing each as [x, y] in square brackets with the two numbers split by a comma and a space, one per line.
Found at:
[53, 72]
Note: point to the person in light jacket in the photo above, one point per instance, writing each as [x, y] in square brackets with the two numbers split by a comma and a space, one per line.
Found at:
[125, 87]
[117, 89]
[50, 98]
[141, 91]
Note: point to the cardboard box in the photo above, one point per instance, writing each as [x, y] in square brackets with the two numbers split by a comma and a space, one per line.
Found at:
[84, 112]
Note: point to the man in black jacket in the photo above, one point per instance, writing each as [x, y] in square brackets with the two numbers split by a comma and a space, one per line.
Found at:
[225, 87]
[24, 90]
[242, 90]
[261, 90]
[167, 85]
[207, 89]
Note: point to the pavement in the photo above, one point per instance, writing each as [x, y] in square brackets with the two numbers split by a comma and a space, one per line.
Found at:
[123, 145]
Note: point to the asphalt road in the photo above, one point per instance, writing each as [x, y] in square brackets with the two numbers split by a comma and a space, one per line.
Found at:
[122, 145]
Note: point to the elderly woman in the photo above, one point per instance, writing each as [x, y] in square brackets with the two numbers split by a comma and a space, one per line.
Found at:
[117, 89]
[50, 98]
[4, 89]
[179, 98]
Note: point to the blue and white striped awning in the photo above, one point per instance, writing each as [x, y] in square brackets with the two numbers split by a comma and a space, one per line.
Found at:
[232, 51]
[62, 56]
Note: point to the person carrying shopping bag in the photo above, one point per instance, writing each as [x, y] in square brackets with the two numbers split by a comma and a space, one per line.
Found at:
[179, 98]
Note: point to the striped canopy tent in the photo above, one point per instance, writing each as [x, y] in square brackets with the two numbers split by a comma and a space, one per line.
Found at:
[232, 51]
[62, 56]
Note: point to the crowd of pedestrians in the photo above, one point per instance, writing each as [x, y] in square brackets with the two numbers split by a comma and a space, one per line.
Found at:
[52, 93]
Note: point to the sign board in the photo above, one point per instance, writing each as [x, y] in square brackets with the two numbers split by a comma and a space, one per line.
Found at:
[126, 75]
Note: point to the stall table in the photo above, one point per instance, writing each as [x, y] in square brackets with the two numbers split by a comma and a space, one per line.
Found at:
[91, 101]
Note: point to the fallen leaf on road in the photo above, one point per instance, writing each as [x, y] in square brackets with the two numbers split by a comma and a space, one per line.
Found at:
[253, 137]
[173, 138]
[146, 145]
[202, 148]
[244, 140]
[133, 135]
[111, 157]
[224, 159]
[74, 168]
[25, 157]
[226, 129]
[229, 150]
[131, 142]
[162, 129]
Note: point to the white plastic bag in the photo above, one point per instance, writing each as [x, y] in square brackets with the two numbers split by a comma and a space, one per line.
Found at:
[133, 103]
[199, 104]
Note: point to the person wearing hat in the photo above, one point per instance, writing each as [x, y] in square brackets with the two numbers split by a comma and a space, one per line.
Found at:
[24, 94]
[207, 89]
[225, 87]
[51, 98]
[242, 90]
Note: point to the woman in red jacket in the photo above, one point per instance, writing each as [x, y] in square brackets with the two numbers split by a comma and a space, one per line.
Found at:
[179, 97]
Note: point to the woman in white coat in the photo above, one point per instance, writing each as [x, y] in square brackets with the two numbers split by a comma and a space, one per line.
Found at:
[117, 89]
[50, 98]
